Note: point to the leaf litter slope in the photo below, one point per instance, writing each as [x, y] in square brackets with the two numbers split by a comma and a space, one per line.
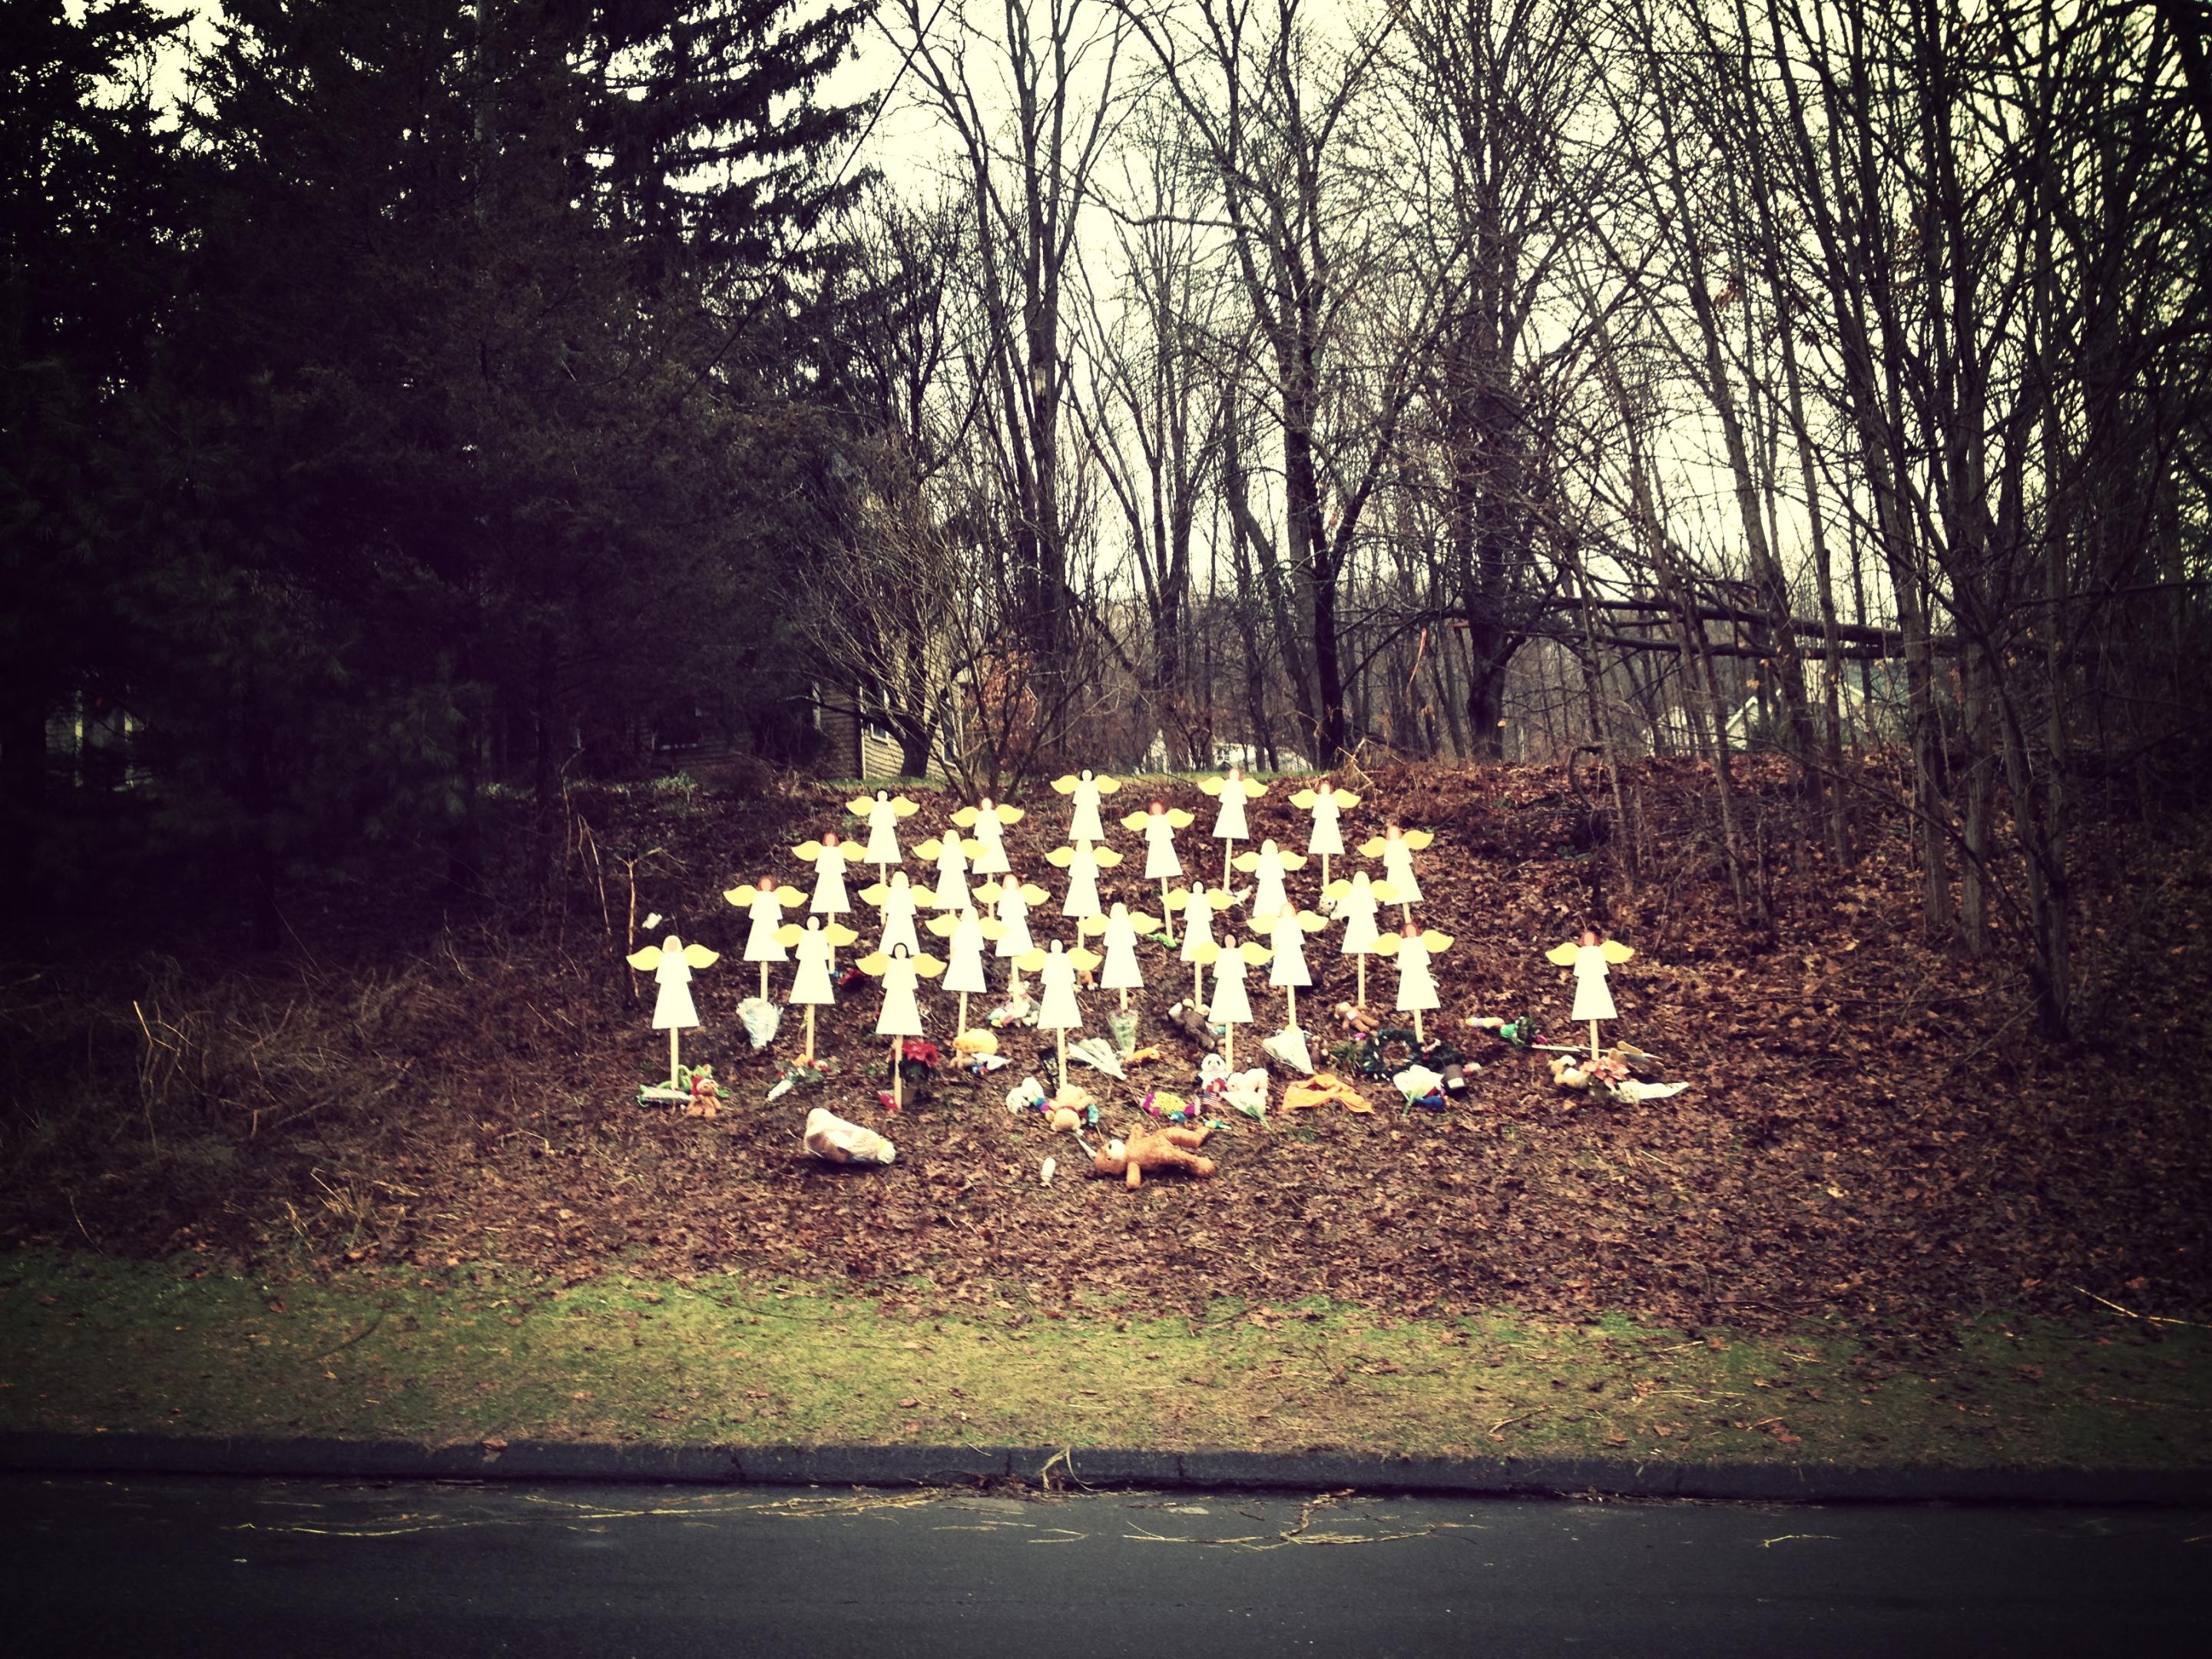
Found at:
[1872, 1130]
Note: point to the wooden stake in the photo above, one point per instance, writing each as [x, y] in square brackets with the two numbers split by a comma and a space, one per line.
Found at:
[1408, 911]
[1167, 915]
[810, 1030]
[1362, 960]
[676, 1066]
[898, 1083]
[963, 1013]
[1593, 1039]
[1418, 1037]
[1227, 847]
[1290, 992]
[1324, 877]
[1125, 999]
[1197, 987]
[763, 982]
[1063, 1057]
[1228, 1042]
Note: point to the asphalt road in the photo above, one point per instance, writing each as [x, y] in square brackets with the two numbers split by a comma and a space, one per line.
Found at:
[179, 1566]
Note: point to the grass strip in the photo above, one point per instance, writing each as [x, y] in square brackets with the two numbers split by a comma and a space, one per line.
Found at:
[95, 1344]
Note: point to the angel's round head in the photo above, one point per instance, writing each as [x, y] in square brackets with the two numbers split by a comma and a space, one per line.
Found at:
[1267, 849]
[1235, 772]
[1394, 833]
[1158, 807]
[1084, 774]
[829, 838]
[1411, 929]
[988, 804]
[1324, 787]
[882, 795]
[899, 952]
[1592, 936]
[671, 942]
[765, 884]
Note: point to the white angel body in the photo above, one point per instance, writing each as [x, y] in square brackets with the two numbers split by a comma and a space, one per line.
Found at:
[897, 901]
[1326, 838]
[1197, 926]
[1593, 996]
[1229, 822]
[1416, 986]
[1398, 867]
[1121, 971]
[811, 983]
[952, 867]
[1084, 824]
[1232, 1004]
[989, 831]
[1082, 898]
[1356, 909]
[883, 830]
[672, 1009]
[901, 1014]
[765, 912]
[966, 973]
[1268, 899]
[1013, 910]
[830, 858]
[1057, 1009]
[1160, 863]
[1286, 968]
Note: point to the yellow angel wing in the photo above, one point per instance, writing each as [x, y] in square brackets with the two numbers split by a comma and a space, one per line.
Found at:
[1337, 889]
[1065, 785]
[1087, 961]
[1562, 954]
[1106, 857]
[1419, 840]
[932, 848]
[1033, 894]
[1210, 785]
[1372, 849]
[700, 957]
[1254, 952]
[1385, 946]
[1384, 891]
[861, 805]
[840, 933]
[808, 850]
[1106, 785]
[992, 927]
[1179, 819]
[1310, 923]
[852, 851]
[1253, 788]
[1177, 900]
[789, 934]
[645, 961]
[942, 925]
[1143, 923]
[1345, 803]
[740, 897]
[1437, 943]
[1061, 857]
[1207, 954]
[1030, 962]
[1304, 799]
[927, 966]
[1093, 924]
[1010, 815]
[1136, 820]
[1616, 952]
[966, 817]
[876, 894]
[1248, 862]
[1293, 861]
[790, 897]
[905, 808]
[873, 965]
[1218, 901]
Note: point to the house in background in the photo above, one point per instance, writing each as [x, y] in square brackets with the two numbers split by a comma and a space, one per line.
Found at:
[855, 744]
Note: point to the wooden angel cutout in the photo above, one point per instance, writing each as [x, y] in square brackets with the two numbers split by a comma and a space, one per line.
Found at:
[1083, 862]
[965, 935]
[1267, 866]
[952, 856]
[1325, 802]
[1232, 1004]
[672, 963]
[1287, 971]
[1057, 1010]
[1589, 956]
[988, 823]
[1011, 900]
[883, 813]
[1417, 987]
[900, 969]
[1357, 902]
[1396, 847]
[1086, 787]
[1233, 790]
[1157, 825]
[1200, 907]
[815, 945]
[895, 899]
[763, 904]
[1120, 926]
[828, 856]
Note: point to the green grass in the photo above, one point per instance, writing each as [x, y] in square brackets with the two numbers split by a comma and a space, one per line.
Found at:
[90, 1344]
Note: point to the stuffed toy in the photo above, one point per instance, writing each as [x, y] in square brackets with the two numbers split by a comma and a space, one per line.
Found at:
[1155, 1150]
[706, 1094]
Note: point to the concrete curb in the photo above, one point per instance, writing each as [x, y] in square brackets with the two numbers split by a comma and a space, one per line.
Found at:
[913, 1466]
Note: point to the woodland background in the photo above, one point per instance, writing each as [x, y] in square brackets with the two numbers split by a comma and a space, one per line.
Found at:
[411, 409]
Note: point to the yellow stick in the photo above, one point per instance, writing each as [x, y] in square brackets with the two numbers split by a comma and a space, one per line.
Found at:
[1229, 1044]
[963, 1013]
[1324, 872]
[1197, 987]
[1418, 1037]
[1227, 847]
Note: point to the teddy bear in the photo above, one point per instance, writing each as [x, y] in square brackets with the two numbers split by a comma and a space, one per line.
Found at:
[1154, 1149]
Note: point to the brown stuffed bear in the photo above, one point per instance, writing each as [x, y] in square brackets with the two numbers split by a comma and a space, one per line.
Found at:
[1154, 1149]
